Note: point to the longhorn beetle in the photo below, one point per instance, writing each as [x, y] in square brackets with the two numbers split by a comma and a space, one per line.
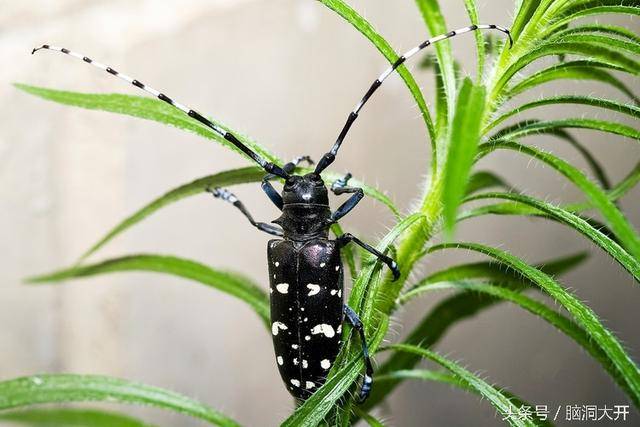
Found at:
[305, 270]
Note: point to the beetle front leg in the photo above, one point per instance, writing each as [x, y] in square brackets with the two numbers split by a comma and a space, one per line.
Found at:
[393, 266]
[227, 196]
[355, 322]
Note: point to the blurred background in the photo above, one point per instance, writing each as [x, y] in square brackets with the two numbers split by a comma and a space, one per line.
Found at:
[286, 72]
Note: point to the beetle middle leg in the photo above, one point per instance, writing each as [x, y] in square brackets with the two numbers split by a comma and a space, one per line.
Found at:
[267, 187]
[393, 266]
[227, 196]
[354, 321]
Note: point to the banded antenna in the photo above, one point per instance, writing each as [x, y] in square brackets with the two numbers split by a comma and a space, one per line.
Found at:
[329, 157]
[267, 166]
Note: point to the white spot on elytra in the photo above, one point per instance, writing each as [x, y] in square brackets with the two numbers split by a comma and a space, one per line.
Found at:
[307, 338]
[333, 291]
[276, 326]
[295, 361]
[325, 364]
[340, 293]
[309, 384]
[301, 308]
[313, 289]
[283, 288]
[296, 383]
[337, 267]
[305, 364]
[325, 329]
[280, 361]
[294, 346]
[306, 319]
[276, 263]
[339, 329]
[322, 264]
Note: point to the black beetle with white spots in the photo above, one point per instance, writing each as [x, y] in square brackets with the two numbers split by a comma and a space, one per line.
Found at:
[305, 271]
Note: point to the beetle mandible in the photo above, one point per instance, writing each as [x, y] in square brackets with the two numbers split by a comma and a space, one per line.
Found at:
[305, 270]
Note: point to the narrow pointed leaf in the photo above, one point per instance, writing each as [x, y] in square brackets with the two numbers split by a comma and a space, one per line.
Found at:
[573, 70]
[472, 11]
[607, 104]
[613, 30]
[555, 319]
[581, 313]
[221, 179]
[527, 128]
[631, 264]
[69, 417]
[366, 29]
[229, 283]
[449, 312]
[434, 19]
[67, 388]
[620, 226]
[483, 180]
[500, 401]
[465, 136]
[585, 50]
[145, 108]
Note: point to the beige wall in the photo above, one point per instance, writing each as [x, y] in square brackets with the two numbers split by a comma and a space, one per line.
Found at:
[286, 72]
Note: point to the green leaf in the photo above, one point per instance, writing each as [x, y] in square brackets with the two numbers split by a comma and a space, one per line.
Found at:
[535, 127]
[366, 29]
[525, 10]
[67, 388]
[229, 283]
[221, 179]
[465, 136]
[69, 417]
[573, 70]
[620, 226]
[472, 11]
[366, 288]
[580, 12]
[433, 18]
[500, 401]
[601, 54]
[581, 313]
[590, 101]
[614, 30]
[598, 40]
[145, 108]
[454, 309]
[369, 419]
[631, 264]
[559, 321]
[451, 380]
[482, 180]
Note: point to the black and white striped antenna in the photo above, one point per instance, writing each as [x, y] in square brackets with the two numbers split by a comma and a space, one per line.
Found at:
[267, 166]
[329, 157]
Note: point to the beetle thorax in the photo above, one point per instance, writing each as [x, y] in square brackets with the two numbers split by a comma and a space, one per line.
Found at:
[305, 213]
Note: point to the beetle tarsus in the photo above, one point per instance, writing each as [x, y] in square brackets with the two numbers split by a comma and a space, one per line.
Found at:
[353, 319]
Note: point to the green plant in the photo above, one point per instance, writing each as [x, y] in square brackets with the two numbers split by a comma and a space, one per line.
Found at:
[541, 29]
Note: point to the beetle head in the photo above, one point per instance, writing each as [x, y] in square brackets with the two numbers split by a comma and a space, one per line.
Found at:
[308, 189]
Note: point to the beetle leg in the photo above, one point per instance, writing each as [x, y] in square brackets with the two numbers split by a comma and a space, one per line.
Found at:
[354, 321]
[393, 266]
[267, 187]
[340, 183]
[227, 196]
[351, 202]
